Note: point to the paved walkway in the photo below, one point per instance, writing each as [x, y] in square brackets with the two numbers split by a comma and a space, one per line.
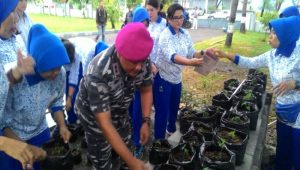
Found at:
[197, 35]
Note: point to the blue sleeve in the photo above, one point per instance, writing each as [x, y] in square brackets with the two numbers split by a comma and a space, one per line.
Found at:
[58, 102]
[236, 59]
[173, 57]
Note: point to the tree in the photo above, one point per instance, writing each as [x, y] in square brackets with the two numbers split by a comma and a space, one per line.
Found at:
[233, 9]
[113, 11]
[266, 5]
[243, 21]
[268, 16]
[278, 4]
[133, 3]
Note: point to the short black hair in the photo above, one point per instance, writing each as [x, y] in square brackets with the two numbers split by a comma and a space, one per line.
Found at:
[172, 9]
[70, 49]
[161, 6]
[154, 3]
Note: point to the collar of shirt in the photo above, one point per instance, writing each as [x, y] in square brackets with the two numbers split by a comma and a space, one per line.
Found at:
[173, 31]
[159, 19]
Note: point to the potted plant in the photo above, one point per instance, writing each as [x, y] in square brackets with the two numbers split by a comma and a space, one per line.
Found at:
[222, 100]
[236, 121]
[231, 84]
[186, 117]
[204, 129]
[184, 155]
[234, 140]
[216, 156]
[159, 152]
[249, 109]
[207, 116]
[194, 138]
[58, 156]
[219, 112]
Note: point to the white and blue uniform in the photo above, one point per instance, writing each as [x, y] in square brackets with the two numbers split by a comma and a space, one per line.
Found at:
[155, 29]
[167, 82]
[284, 65]
[7, 55]
[28, 100]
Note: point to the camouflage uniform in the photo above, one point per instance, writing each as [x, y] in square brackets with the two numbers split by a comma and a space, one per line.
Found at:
[106, 87]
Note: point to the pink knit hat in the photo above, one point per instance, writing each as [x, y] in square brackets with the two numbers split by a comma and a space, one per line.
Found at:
[134, 43]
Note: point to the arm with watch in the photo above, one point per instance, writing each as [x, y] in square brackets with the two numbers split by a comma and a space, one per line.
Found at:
[69, 98]
[146, 102]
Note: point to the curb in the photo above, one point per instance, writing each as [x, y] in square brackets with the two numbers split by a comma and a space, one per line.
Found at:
[78, 34]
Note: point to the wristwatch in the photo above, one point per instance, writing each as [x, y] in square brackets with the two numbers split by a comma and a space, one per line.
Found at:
[146, 120]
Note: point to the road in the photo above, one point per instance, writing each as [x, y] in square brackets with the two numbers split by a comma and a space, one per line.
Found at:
[197, 35]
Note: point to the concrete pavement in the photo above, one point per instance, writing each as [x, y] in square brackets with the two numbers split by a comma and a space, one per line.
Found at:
[197, 35]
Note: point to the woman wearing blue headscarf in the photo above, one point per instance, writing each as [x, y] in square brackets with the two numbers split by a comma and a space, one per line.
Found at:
[24, 153]
[289, 11]
[24, 114]
[283, 62]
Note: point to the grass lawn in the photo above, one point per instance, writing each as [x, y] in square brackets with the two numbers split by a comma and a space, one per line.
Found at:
[198, 90]
[58, 24]
[249, 44]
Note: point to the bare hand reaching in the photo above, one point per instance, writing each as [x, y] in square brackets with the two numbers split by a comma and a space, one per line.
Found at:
[22, 151]
[196, 61]
[25, 64]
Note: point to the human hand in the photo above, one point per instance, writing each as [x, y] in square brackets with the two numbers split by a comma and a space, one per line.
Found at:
[68, 103]
[19, 150]
[65, 134]
[144, 133]
[218, 53]
[196, 61]
[38, 153]
[25, 64]
[284, 86]
[154, 69]
[138, 165]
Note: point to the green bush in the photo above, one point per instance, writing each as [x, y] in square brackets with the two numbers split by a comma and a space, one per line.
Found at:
[267, 17]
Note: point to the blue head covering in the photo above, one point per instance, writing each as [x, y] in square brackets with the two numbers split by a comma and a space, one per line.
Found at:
[287, 31]
[289, 11]
[140, 14]
[100, 46]
[47, 51]
[6, 7]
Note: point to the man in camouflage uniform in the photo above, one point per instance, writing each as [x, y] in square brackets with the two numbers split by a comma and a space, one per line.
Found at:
[106, 92]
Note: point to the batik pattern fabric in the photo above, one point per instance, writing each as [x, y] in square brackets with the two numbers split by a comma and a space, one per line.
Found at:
[155, 29]
[3, 93]
[7, 56]
[26, 106]
[170, 43]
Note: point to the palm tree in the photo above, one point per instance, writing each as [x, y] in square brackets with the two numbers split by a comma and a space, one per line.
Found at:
[233, 9]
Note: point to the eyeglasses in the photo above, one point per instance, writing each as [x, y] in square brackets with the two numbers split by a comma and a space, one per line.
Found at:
[177, 17]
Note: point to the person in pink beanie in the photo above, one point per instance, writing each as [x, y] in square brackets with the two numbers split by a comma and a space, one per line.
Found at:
[106, 92]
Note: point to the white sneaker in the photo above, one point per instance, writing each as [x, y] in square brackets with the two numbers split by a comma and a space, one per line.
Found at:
[168, 134]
